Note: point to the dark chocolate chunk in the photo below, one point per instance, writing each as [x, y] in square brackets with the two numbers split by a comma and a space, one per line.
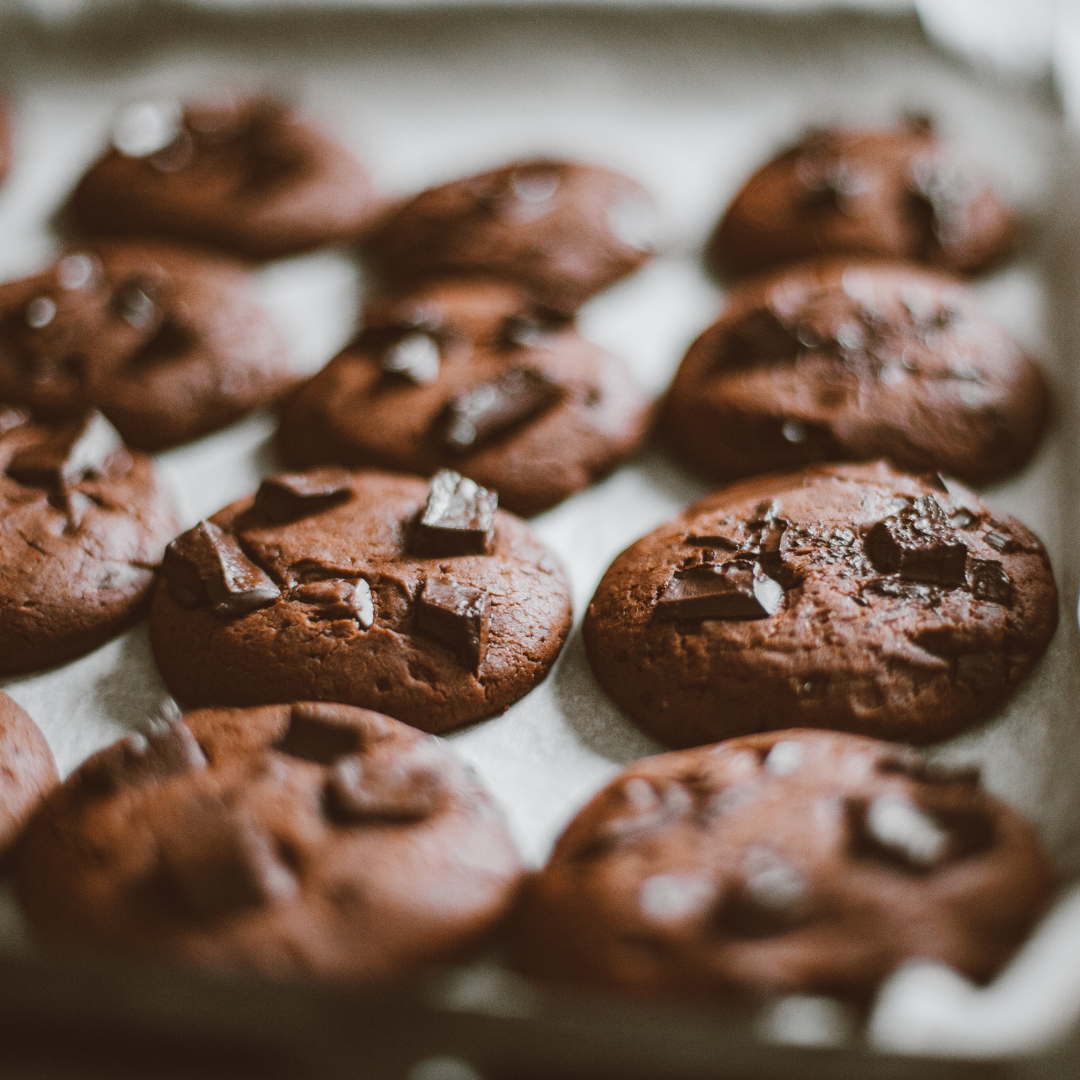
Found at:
[1001, 541]
[989, 581]
[458, 518]
[134, 303]
[963, 518]
[289, 496]
[164, 749]
[898, 589]
[359, 790]
[713, 540]
[340, 598]
[320, 733]
[918, 543]
[479, 414]
[216, 863]
[734, 590]
[455, 616]
[74, 452]
[207, 564]
[415, 356]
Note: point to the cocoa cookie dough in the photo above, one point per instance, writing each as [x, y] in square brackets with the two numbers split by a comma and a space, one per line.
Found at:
[27, 771]
[291, 839]
[898, 192]
[853, 597]
[247, 174]
[365, 588]
[562, 229]
[169, 343]
[855, 360]
[800, 862]
[474, 376]
[83, 524]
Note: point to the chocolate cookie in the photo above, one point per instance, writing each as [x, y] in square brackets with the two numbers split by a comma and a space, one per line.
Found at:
[27, 771]
[365, 588]
[474, 376]
[855, 360]
[302, 839]
[561, 229]
[244, 173]
[848, 597]
[6, 147]
[83, 524]
[800, 862]
[897, 192]
[170, 344]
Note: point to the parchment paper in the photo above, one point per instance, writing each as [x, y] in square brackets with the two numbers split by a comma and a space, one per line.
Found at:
[689, 102]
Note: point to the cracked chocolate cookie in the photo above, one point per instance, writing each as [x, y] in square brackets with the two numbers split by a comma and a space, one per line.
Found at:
[561, 229]
[247, 174]
[854, 361]
[424, 601]
[849, 597]
[27, 771]
[474, 376]
[291, 839]
[898, 192]
[800, 862]
[83, 524]
[170, 344]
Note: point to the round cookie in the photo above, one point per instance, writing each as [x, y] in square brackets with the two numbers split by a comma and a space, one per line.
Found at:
[854, 361]
[83, 524]
[365, 588]
[897, 192]
[561, 229]
[302, 839]
[169, 343]
[800, 862]
[474, 376]
[248, 174]
[27, 771]
[852, 597]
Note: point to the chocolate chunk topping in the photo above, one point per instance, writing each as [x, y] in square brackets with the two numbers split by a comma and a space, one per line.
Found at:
[339, 599]
[164, 749]
[362, 790]
[207, 564]
[1001, 541]
[458, 518]
[69, 455]
[134, 304]
[289, 496]
[918, 543]
[989, 581]
[474, 416]
[735, 590]
[216, 862]
[416, 356]
[320, 733]
[455, 616]
[898, 589]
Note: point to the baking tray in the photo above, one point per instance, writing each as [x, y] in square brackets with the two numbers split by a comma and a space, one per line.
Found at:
[689, 101]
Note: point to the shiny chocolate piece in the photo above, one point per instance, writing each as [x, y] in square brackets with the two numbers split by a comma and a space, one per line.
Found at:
[339, 598]
[289, 496]
[989, 581]
[208, 564]
[477, 415]
[165, 749]
[458, 518]
[739, 589]
[71, 454]
[415, 356]
[920, 544]
[455, 616]
[358, 790]
[320, 733]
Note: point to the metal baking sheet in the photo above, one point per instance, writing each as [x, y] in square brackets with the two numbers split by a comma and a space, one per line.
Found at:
[689, 102]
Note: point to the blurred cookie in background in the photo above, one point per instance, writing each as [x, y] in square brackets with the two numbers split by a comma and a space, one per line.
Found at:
[302, 839]
[472, 375]
[27, 771]
[170, 343]
[855, 360]
[562, 229]
[83, 523]
[244, 173]
[799, 862]
[897, 192]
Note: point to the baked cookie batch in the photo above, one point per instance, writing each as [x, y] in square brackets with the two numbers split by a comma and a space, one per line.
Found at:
[793, 634]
